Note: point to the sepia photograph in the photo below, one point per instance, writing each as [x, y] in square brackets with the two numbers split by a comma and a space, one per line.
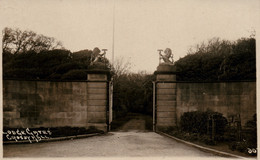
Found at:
[129, 79]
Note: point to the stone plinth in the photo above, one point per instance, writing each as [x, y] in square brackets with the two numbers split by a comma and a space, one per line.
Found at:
[165, 97]
[97, 91]
[166, 68]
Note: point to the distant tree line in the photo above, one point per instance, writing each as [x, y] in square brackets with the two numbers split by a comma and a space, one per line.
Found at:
[219, 60]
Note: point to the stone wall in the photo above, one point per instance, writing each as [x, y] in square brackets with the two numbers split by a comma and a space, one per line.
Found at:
[55, 104]
[229, 98]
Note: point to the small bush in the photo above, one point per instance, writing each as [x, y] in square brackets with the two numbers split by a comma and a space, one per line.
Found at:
[250, 133]
[230, 135]
[243, 147]
[249, 138]
[197, 122]
[239, 146]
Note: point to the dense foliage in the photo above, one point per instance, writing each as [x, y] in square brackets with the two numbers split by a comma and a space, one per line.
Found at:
[28, 55]
[201, 122]
[219, 60]
[133, 93]
[248, 139]
[251, 137]
[197, 126]
[50, 65]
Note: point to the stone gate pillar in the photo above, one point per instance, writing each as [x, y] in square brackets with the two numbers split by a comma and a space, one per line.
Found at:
[98, 99]
[165, 97]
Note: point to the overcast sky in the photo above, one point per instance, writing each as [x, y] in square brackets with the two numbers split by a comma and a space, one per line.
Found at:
[141, 26]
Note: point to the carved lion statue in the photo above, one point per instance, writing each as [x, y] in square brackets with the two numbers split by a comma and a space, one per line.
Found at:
[96, 56]
[167, 57]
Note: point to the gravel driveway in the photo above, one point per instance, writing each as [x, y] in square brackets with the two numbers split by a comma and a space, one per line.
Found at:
[112, 144]
[130, 140]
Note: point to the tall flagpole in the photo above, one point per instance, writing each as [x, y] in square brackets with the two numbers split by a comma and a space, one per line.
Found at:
[113, 41]
[111, 82]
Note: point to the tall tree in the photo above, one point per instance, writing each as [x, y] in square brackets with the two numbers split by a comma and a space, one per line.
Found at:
[18, 41]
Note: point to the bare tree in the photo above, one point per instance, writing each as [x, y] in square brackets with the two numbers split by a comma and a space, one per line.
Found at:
[212, 46]
[17, 41]
[121, 66]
